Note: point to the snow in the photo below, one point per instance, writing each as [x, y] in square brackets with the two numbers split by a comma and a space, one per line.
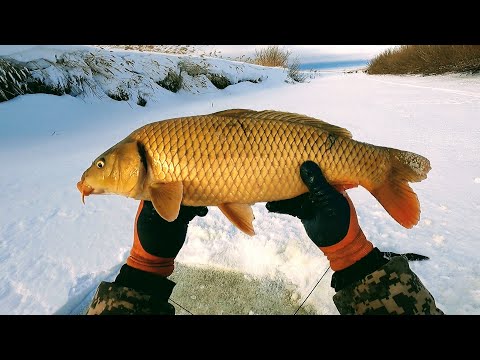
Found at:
[54, 251]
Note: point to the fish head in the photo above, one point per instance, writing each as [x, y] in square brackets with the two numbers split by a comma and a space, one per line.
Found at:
[119, 170]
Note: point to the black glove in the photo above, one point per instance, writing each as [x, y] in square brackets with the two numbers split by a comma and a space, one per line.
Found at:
[324, 212]
[162, 238]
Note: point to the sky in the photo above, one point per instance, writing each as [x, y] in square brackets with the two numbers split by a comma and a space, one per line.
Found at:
[54, 251]
[313, 53]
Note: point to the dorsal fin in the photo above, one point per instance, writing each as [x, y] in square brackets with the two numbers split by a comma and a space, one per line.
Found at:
[234, 112]
[303, 119]
[288, 117]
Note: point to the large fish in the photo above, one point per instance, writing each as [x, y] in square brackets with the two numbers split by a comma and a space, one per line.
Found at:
[235, 158]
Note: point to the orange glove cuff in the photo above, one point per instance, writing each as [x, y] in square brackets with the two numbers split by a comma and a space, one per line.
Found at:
[142, 260]
[353, 247]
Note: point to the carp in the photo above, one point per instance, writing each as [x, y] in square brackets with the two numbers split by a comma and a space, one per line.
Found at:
[235, 158]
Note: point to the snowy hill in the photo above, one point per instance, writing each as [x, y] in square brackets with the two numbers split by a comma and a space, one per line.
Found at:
[133, 76]
[54, 250]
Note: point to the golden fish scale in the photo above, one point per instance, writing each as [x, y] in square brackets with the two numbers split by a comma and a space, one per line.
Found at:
[220, 159]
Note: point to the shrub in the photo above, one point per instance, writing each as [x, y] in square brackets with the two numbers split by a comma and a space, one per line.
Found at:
[294, 71]
[171, 82]
[427, 60]
[192, 69]
[275, 56]
[17, 80]
[119, 95]
[166, 49]
[141, 101]
[12, 80]
[219, 81]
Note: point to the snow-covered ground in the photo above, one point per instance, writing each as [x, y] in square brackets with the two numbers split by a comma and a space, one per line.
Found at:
[54, 251]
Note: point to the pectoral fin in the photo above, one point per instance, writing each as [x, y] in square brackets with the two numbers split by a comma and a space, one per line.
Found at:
[166, 198]
[241, 215]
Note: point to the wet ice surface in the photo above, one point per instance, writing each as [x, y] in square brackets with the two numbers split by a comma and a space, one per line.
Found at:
[54, 251]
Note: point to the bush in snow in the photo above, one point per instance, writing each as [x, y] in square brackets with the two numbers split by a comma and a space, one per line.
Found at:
[219, 81]
[192, 69]
[166, 49]
[273, 56]
[120, 94]
[427, 60]
[13, 80]
[294, 71]
[18, 80]
[141, 101]
[171, 82]
[276, 56]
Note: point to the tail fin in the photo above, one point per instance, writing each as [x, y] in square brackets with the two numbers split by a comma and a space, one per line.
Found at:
[395, 195]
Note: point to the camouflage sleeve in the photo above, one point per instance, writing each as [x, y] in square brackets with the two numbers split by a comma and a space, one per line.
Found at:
[393, 289]
[114, 299]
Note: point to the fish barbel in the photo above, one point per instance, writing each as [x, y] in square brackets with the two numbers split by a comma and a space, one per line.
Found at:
[235, 158]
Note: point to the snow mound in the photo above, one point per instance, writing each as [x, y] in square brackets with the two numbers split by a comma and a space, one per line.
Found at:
[136, 77]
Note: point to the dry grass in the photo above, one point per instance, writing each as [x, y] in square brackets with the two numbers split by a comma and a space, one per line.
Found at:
[13, 80]
[172, 82]
[275, 56]
[17, 80]
[219, 81]
[294, 71]
[200, 50]
[192, 69]
[166, 49]
[427, 60]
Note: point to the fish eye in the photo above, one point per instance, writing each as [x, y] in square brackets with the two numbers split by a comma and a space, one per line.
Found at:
[100, 163]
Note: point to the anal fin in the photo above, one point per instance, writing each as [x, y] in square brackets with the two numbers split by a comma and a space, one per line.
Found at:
[241, 215]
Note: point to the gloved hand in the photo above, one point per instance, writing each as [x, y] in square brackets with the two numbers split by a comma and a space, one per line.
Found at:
[330, 220]
[156, 243]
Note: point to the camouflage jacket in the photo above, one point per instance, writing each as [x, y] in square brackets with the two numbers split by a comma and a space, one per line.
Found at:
[393, 289]
[114, 299]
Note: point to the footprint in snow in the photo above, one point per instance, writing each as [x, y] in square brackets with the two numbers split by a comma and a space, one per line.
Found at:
[438, 239]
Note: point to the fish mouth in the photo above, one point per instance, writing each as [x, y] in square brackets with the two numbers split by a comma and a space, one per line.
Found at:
[84, 189]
